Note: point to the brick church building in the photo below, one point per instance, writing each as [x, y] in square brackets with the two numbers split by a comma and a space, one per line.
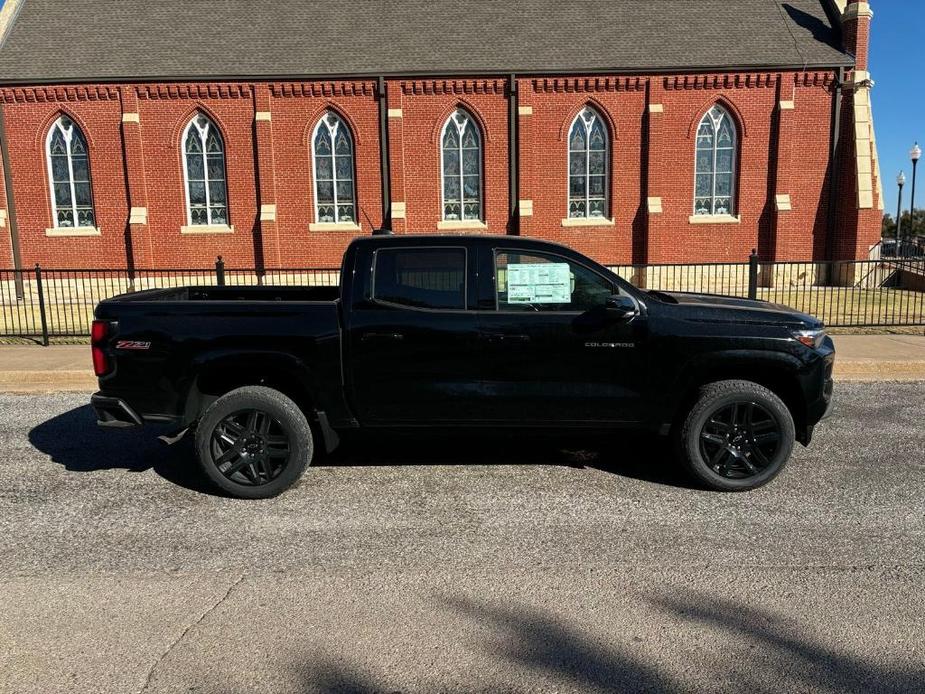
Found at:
[162, 134]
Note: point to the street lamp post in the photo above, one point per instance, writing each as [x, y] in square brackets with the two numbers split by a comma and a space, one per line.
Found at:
[900, 181]
[914, 154]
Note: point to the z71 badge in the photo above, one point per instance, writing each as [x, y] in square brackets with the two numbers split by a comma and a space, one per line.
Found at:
[132, 344]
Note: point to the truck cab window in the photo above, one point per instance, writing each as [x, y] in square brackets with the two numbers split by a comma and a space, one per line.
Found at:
[539, 282]
[432, 278]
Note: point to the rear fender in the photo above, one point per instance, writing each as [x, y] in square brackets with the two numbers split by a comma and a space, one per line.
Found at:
[215, 373]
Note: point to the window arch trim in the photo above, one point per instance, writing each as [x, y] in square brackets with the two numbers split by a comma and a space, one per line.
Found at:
[716, 116]
[76, 210]
[587, 175]
[212, 210]
[342, 123]
[476, 126]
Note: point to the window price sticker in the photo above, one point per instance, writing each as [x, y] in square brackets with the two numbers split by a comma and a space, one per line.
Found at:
[539, 283]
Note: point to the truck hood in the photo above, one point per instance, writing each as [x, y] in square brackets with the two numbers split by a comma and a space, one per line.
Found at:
[728, 308]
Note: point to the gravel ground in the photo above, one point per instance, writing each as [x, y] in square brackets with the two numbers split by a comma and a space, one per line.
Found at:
[465, 564]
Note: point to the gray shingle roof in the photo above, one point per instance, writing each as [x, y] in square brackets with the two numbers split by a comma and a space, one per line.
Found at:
[83, 40]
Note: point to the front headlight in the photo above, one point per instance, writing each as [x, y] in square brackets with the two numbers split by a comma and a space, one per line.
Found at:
[810, 338]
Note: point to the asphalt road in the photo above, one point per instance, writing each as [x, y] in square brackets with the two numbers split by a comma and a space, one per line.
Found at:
[463, 565]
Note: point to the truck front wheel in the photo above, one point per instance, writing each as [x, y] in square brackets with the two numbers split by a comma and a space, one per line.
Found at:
[254, 442]
[737, 436]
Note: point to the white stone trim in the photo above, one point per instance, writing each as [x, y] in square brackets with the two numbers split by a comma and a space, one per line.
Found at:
[73, 231]
[714, 219]
[205, 229]
[525, 207]
[857, 10]
[334, 226]
[2, 218]
[263, 116]
[587, 222]
[782, 202]
[786, 105]
[524, 110]
[398, 209]
[131, 118]
[395, 113]
[461, 225]
[654, 205]
[863, 148]
[656, 108]
[138, 215]
[268, 213]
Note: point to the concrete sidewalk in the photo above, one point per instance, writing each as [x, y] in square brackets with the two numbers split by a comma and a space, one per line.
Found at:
[60, 368]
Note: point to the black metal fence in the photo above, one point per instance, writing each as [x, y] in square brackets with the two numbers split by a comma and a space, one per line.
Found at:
[43, 303]
[40, 303]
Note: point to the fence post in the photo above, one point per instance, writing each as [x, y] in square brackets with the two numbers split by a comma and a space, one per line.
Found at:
[41, 293]
[220, 272]
[753, 274]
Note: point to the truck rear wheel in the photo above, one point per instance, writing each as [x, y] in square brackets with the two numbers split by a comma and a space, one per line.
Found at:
[737, 436]
[254, 442]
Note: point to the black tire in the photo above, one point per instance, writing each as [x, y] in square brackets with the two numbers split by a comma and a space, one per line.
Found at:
[254, 443]
[737, 436]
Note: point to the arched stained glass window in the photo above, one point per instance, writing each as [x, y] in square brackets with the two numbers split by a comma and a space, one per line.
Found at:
[714, 185]
[461, 167]
[332, 152]
[588, 165]
[204, 173]
[69, 175]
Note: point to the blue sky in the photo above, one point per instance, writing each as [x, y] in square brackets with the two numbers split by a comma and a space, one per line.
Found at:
[897, 63]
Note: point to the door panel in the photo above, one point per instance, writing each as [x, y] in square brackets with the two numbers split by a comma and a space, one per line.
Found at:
[552, 352]
[412, 344]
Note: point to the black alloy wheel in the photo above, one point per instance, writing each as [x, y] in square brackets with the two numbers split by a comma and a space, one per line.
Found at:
[250, 447]
[740, 440]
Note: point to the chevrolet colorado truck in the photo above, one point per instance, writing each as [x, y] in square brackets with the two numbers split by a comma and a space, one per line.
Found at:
[460, 331]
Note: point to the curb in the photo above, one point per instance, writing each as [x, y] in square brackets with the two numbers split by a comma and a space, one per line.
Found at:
[878, 370]
[60, 381]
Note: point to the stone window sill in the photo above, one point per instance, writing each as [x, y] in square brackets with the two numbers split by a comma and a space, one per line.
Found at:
[587, 222]
[207, 229]
[715, 219]
[73, 231]
[334, 226]
[461, 225]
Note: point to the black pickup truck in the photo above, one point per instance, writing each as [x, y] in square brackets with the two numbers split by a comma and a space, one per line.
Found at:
[460, 331]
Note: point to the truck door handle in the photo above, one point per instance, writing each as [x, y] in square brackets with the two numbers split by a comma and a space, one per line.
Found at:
[502, 338]
[369, 337]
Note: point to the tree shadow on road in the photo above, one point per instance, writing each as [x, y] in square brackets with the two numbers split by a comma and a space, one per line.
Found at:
[731, 646]
[73, 439]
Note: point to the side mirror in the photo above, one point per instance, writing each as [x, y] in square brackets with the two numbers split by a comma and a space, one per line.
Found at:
[620, 306]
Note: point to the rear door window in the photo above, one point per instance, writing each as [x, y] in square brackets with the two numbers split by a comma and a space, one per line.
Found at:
[423, 278]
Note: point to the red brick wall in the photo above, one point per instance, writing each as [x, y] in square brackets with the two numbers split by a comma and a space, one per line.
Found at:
[426, 105]
[295, 114]
[544, 161]
[27, 126]
[269, 163]
[6, 241]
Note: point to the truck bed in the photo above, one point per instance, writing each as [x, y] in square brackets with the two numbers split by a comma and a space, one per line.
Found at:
[194, 293]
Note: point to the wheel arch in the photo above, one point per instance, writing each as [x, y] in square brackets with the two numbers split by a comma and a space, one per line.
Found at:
[777, 372]
[214, 375]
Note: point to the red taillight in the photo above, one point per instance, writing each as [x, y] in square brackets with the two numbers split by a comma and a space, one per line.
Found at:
[98, 334]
